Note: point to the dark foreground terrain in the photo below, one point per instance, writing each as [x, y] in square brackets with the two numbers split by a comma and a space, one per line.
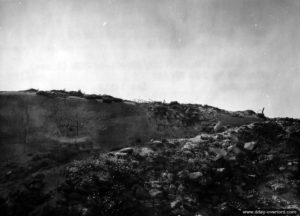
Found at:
[124, 158]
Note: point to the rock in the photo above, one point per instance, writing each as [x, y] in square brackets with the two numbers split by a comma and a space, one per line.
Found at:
[84, 211]
[195, 175]
[182, 174]
[232, 158]
[196, 139]
[154, 193]
[180, 188]
[121, 154]
[73, 169]
[168, 176]
[135, 163]
[279, 187]
[190, 202]
[155, 184]
[218, 127]
[220, 170]
[189, 146]
[157, 144]
[250, 145]
[9, 173]
[103, 176]
[220, 153]
[145, 151]
[234, 149]
[128, 150]
[175, 203]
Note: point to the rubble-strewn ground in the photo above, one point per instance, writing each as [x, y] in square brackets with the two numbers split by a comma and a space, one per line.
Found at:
[202, 160]
[219, 172]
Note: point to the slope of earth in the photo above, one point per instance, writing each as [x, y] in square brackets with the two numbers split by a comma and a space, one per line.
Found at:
[68, 123]
[220, 173]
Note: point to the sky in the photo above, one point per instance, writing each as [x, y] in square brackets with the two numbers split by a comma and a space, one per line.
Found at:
[233, 54]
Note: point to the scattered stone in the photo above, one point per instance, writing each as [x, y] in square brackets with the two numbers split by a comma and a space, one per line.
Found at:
[234, 149]
[156, 144]
[279, 187]
[196, 139]
[121, 154]
[232, 158]
[168, 176]
[282, 168]
[220, 170]
[180, 188]
[195, 175]
[218, 127]
[190, 202]
[73, 169]
[189, 146]
[250, 145]
[155, 184]
[175, 203]
[128, 150]
[177, 179]
[220, 153]
[154, 193]
[145, 151]
[182, 174]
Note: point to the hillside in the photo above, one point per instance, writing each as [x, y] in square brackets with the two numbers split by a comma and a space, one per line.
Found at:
[32, 121]
[66, 153]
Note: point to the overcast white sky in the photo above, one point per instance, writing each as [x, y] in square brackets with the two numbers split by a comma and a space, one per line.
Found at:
[234, 54]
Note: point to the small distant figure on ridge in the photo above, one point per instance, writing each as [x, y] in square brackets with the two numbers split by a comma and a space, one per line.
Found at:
[262, 115]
